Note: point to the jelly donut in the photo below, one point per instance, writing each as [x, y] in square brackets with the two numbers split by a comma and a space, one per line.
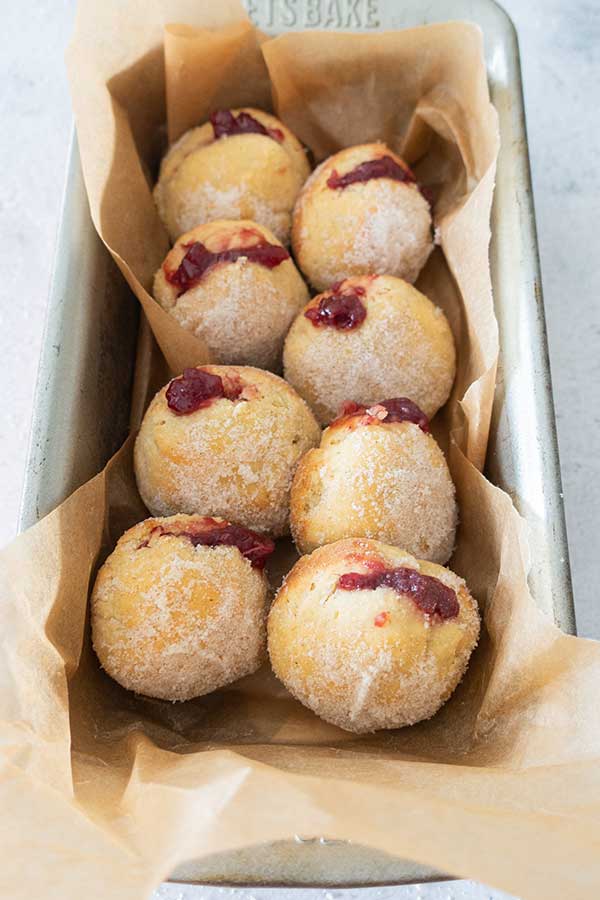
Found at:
[235, 286]
[241, 164]
[361, 211]
[378, 473]
[380, 336]
[179, 607]
[369, 637]
[224, 441]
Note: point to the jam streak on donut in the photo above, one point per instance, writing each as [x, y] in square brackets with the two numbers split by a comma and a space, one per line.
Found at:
[398, 409]
[225, 124]
[431, 596]
[340, 310]
[209, 532]
[197, 388]
[382, 167]
[198, 260]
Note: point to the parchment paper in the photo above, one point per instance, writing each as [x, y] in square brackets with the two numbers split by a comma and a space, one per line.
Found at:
[104, 793]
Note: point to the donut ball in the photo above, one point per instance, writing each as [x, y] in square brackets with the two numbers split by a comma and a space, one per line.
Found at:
[380, 336]
[242, 164]
[235, 286]
[378, 473]
[369, 637]
[361, 211]
[179, 607]
[224, 441]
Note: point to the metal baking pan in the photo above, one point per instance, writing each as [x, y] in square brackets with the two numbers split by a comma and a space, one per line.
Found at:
[83, 393]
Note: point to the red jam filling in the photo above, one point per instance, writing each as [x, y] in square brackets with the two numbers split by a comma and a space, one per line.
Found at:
[339, 309]
[382, 167]
[429, 594]
[398, 409]
[209, 532]
[225, 124]
[381, 619]
[198, 260]
[197, 388]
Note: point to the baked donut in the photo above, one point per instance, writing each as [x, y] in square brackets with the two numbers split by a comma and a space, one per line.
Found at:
[369, 637]
[380, 336]
[235, 286]
[378, 473]
[179, 607]
[224, 441]
[242, 164]
[361, 211]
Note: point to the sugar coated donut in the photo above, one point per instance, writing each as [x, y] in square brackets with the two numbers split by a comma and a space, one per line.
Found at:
[179, 607]
[361, 211]
[242, 164]
[369, 637]
[378, 473]
[224, 441]
[366, 338]
[235, 286]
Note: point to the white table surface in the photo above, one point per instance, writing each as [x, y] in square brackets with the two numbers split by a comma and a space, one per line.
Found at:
[560, 51]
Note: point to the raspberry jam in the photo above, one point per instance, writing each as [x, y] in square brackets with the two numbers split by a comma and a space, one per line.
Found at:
[398, 409]
[382, 167]
[197, 388]
[429, 594]
[381, 619]
[339, 309]
[225, 124]
[209, 532]
[198, 260]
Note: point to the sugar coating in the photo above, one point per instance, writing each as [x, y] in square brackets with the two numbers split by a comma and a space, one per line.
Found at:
[174, 621]
[246, 176]
[241, 309]
[231, 459]
[384, 481]
[378, 226]
[404, 348]
[325, 647]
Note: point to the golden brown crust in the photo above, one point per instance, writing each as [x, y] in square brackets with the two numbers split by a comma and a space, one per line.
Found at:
[242, 310]
[381, 225]
[231, 459]
[248, 176]
[389, 482]
[403, 348]
[327, 648]
[173, 620]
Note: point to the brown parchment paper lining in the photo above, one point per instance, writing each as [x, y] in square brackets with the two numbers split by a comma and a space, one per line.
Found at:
[105, 793]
